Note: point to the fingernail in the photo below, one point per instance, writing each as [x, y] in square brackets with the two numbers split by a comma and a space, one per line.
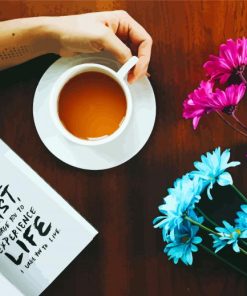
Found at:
[131, 78]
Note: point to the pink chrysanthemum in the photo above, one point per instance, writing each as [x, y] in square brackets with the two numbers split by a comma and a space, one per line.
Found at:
[203, 100]
[232, 60]
[226, 101]
[195, 106]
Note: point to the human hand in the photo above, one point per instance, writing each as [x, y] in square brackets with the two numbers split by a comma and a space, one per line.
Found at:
[113, 31]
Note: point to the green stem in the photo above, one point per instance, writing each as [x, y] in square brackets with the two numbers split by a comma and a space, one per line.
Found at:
[243, 251]
[201, 225]
[223, 260]
[206, 217]
[243, 241]
[215, 224]
[242, 196]
[209, 230]
[239, 193]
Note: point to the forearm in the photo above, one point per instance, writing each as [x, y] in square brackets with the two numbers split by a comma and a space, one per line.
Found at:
[24, 39]
[112, 31]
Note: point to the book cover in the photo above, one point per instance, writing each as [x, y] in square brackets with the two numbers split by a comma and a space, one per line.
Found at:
[40, 233]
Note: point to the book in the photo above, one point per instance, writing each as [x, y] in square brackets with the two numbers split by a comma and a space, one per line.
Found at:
[40, 233]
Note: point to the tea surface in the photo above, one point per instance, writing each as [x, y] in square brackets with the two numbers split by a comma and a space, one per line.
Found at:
[92, 105]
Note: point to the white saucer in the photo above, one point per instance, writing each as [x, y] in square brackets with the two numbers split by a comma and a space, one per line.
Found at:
[104, 156]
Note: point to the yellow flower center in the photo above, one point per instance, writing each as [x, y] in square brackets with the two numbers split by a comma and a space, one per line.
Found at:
[238, 231]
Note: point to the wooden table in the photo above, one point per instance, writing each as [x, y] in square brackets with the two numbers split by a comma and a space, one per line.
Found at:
[127, 256]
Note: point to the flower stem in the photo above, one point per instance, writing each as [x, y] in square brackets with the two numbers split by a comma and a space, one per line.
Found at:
[206, 217]
[223, 260]
[239, 121]
[240, 73]
[243, 251]
[239, 193]
[244, 242]
[209, 230]
[215, 224]
[242, 196]
[230, 124]
[200, 225]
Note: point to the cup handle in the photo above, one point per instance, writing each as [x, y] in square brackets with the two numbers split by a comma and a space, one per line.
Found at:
[123, 71]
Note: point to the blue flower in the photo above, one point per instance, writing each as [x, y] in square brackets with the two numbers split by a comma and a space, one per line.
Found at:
[180, 201]
[228, 235]
[184, 244]
[212, 169]
[241, 221]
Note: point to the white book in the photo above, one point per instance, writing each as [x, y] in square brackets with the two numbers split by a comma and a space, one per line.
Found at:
[40, 233]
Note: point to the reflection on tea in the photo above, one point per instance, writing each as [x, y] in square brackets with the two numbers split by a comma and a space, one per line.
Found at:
[92, 105]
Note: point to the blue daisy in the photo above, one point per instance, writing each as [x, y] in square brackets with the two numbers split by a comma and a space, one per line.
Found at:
[241, 221]
[180, 201]
[212, 169]
[184, 244]
[228, 235]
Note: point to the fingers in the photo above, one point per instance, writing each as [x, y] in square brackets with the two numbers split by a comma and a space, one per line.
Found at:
[110, 31]
[140, 39]
[113, 44]
[144, 54]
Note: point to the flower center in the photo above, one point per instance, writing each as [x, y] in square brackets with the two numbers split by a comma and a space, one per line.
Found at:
[238, 231]
[229, 109]
[184, 239]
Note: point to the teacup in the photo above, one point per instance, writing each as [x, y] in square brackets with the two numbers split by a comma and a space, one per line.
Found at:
[119, 77]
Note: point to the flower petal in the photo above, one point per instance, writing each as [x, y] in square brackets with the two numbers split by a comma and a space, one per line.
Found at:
[194, 248]
[219, 248]
[210, 186]
[160, 221]
[224, 159]
[197, 240]
[236, 247]
[200, 166]
[233, 164]
[195, 121]
[225, 179]
[188, 258]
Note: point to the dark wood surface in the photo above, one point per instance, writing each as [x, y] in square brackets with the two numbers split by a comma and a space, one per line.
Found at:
[126, 258]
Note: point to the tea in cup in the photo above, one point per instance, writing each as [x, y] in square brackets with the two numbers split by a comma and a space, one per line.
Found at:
[91, 104]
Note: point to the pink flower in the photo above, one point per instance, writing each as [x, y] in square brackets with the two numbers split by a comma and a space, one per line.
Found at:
[226, 101]
[203, 100]
[232, 59]
[195, 106]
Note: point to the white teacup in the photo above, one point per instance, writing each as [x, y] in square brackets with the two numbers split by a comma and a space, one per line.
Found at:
[118, 76]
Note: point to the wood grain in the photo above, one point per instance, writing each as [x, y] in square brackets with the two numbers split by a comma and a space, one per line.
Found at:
[127, 256]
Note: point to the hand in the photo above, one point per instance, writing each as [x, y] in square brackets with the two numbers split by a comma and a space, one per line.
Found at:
[113, 31]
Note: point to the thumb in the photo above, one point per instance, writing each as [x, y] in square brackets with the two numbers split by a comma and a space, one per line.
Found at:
[115, 46]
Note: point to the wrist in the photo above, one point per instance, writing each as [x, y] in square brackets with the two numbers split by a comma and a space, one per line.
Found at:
[44, 37]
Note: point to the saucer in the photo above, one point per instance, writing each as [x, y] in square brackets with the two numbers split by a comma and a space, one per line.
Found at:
[104, 156]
